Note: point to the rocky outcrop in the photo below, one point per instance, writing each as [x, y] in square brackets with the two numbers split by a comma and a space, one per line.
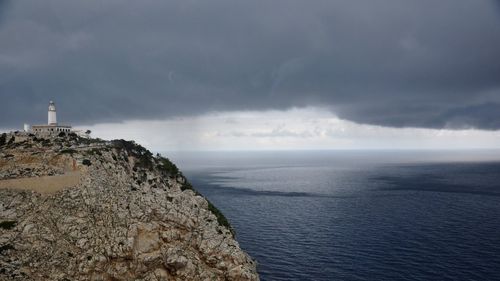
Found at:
[130, 216]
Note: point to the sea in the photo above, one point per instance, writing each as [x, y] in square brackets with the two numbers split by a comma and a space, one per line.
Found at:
[358, 215]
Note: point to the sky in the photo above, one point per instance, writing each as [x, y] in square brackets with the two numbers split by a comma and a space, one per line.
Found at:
[238, 75]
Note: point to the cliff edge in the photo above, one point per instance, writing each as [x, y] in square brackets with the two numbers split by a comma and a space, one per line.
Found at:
[85, 209]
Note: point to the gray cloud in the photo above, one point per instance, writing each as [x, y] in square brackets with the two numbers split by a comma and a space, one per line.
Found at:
[388, 62]
[4, 5]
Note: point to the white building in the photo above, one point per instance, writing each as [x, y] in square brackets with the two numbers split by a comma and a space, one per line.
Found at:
[52, 126]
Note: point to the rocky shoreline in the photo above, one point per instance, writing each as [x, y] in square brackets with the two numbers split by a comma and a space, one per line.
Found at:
[131, 216]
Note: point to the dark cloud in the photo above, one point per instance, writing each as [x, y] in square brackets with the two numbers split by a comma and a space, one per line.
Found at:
[398, 63]
[4, 6]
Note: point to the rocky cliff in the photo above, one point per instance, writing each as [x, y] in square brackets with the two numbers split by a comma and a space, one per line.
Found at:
[86, 209]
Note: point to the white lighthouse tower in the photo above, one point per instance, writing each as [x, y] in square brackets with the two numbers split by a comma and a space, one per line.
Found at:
[52, 128]
[52, 114]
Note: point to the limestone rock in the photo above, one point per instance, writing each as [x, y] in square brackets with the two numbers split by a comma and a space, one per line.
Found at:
[86, 209]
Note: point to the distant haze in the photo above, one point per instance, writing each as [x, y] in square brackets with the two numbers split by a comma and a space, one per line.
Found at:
[307, 128]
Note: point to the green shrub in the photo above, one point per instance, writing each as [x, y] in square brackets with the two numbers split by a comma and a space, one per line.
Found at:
[187, 185]
[145, 156]
[3, 139]
[88, 141]
[68, 151]
[145, 161]
[7, 224]
[125, 145]
[167, 166]
[94, 151]
[86, 162]
[6, 248]
[221, 219]
[46, 142]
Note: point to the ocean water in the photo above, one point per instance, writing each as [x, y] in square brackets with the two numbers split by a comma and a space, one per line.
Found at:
[358, 215]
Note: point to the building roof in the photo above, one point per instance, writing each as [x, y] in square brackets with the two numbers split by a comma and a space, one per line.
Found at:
[51, 126]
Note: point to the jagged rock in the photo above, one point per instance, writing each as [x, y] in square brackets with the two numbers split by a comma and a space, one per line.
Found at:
[126, 216]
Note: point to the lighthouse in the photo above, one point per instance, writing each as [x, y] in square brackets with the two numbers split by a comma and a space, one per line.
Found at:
[52, 114]
[52, 128]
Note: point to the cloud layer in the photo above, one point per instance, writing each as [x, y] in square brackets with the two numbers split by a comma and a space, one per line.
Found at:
[420, 63]
[304, 128]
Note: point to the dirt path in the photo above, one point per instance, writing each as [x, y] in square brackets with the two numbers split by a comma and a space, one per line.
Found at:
[43, 185]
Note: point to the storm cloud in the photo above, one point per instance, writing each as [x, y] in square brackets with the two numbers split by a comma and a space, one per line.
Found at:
[421, 63]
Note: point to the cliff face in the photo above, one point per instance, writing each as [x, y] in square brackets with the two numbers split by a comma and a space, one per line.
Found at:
[83, 209]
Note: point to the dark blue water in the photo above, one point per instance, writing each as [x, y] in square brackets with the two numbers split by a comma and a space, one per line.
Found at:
[359, 215]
